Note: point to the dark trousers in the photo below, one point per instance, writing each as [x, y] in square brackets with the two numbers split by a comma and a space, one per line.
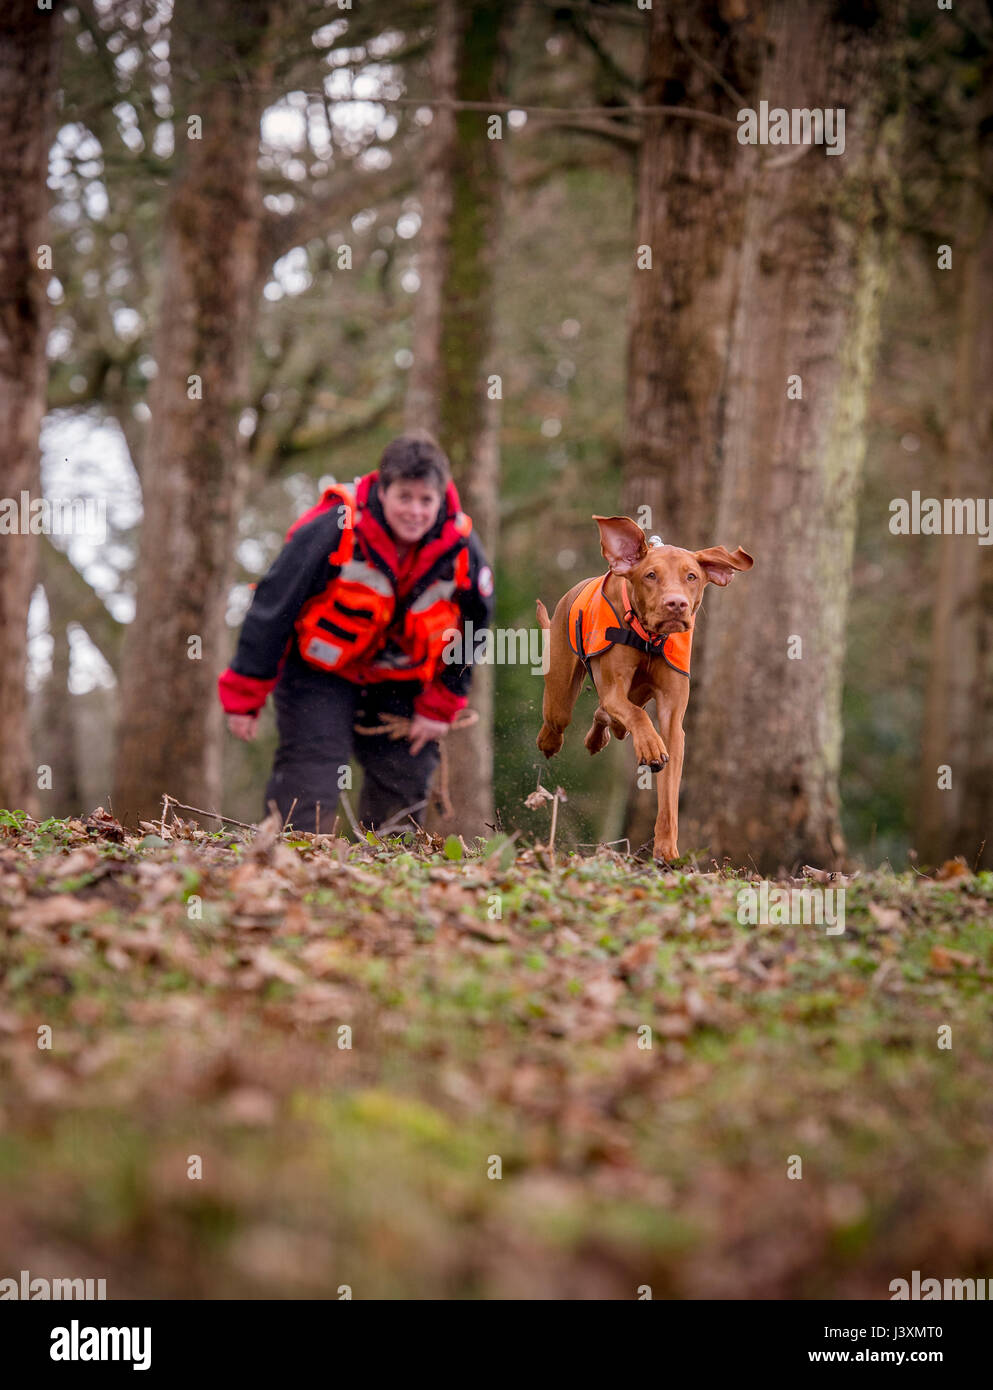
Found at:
[315, 712]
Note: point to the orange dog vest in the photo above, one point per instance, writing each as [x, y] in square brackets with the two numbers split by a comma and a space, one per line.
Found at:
[595, 625]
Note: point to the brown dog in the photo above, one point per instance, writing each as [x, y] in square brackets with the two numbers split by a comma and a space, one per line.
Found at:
[652, 595]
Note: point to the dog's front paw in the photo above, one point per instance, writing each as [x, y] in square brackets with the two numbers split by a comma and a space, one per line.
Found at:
[651, 750]
[549, 740]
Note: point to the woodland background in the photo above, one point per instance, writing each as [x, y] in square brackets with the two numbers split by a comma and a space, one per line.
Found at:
[325, 127]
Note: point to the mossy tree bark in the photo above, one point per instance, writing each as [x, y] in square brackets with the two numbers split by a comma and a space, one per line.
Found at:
[56, 738]
[955, 813]
[692, 184]
[761, 779]
[29, 45]
[692, 177]
[194, 473]
[447, 390]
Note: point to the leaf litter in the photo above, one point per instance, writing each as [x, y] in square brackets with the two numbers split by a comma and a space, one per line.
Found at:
[348, 1035]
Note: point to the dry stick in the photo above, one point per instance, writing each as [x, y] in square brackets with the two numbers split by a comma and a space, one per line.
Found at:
[551, 838]
[228, 820]
[351, 819]
[605, 844]
[289, 812]
[317, 819]
[442, 799]
[398, 815]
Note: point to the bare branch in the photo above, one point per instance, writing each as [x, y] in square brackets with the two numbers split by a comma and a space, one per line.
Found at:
[82, 603]
[347, 196]
[685, 113]
[605, 130]
[292, 445]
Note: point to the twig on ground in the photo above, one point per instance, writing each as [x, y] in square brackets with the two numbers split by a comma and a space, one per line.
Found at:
[347, 807]
[532, 802]
[551, 838]
[228, 820]
[387, 826]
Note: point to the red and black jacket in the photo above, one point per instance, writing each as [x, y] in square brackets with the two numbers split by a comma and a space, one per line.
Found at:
[339, 598]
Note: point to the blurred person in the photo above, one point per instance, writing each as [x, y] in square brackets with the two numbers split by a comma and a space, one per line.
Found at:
[351, 622]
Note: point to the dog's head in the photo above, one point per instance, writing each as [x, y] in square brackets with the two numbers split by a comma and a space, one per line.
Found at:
[666, 583]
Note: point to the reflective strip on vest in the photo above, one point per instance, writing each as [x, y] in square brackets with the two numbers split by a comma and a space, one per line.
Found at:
[327, 652]
[440, 589]
[361, 572]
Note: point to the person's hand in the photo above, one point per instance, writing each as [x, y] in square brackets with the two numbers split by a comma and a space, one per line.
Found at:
[423, 730]
[244, 726]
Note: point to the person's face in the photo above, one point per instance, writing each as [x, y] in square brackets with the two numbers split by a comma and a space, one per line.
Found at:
[411, 507]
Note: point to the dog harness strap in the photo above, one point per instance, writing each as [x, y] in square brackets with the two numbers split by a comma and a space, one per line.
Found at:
[630, 616]
[624, 637]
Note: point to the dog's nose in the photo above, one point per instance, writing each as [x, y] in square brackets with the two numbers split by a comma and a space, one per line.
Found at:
[677, 605]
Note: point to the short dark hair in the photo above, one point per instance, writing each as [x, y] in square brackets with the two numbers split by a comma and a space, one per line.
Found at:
[416, 454]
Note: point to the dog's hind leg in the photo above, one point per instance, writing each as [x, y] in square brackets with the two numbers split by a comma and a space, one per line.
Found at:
[556, 708]
[563, 681]
[599, 734]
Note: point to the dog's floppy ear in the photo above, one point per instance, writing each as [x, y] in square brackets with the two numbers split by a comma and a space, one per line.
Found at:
[622, 542]
[719, 564]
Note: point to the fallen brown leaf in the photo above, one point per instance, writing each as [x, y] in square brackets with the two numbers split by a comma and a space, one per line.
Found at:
[885, 918]
[953, 868]
[943, 960]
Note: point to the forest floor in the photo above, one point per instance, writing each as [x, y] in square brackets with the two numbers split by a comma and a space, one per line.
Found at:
[424, 1073]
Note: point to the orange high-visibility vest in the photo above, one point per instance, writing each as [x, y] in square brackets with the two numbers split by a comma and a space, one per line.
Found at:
[595, 625]
[346, 627]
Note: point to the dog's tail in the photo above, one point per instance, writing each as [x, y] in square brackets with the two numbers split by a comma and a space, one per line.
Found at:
[543, 618]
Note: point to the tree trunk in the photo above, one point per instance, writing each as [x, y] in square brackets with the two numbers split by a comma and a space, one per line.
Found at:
[55, 738]
[762, 769]
[692, 182]
[28, 77]
[194, 472]
[447, 390]
[958, 712]
[690, 212]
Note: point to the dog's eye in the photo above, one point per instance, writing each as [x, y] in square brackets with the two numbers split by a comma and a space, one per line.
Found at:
[650, 574]
[691, 576]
